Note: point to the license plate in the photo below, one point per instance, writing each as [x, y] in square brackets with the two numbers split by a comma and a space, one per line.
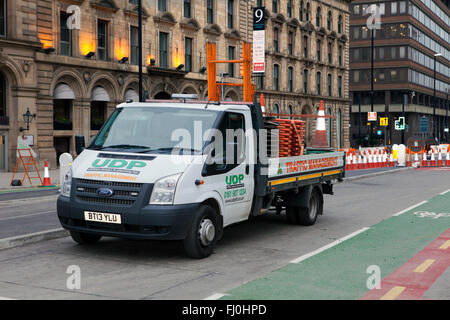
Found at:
[102, 217]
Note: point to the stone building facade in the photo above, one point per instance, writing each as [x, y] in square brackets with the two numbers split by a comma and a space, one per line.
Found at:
[307, 47]
[70, 62]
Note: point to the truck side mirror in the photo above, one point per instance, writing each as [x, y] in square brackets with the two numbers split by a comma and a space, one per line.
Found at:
[79, 144]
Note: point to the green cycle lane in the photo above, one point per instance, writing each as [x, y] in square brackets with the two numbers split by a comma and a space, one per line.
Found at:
[341, 271]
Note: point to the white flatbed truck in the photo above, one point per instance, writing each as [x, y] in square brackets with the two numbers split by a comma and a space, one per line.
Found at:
[136, 180]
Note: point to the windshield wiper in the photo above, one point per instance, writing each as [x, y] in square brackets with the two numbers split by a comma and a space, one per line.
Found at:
[124, 146]
[177, 148]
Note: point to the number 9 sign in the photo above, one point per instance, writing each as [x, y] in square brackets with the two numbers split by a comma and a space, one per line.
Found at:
[258, 18]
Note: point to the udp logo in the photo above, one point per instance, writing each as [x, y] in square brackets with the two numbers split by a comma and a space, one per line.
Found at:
[234, 179]
[118, 164]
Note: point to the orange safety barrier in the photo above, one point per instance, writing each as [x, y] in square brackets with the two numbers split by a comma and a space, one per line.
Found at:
[29, 162]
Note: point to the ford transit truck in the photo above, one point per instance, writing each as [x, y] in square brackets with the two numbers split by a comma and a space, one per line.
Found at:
[150, 173]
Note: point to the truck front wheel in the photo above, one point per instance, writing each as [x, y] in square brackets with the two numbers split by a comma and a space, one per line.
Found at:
[202, 236]
[85, 238]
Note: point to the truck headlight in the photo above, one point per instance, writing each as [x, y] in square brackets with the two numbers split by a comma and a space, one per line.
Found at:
[164, 190]
[66, 183]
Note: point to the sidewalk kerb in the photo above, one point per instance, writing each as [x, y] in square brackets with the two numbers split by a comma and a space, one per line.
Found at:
[374, 174]
[21, 240]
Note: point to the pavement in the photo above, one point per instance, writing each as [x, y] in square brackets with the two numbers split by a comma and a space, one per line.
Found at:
[5, 180]
[252, 253]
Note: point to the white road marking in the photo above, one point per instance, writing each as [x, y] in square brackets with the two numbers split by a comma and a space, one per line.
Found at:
[328, 246]
[410, 208]
[442, 193]
[28, 215]
[215, 296]
[4, 298]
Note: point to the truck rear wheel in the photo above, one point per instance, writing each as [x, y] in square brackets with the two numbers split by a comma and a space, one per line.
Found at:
[305, 216]
[202, 236]
[85, 238]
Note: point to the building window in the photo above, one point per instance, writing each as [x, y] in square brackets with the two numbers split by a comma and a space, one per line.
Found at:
[2, 95]
[290, 111]
[163, 46]
[308, 9]
[318, 17]
[339, 85]
[210, 11]
[329, 20]
[330, 53]
[356, 8]
[275, 6]
[275, 40]
[102, 40]
[188, 54]
[276, 109]
[340, 55]
[65, 34]
[134, 45]
[98, 112]
[231, 56]
[318, 83]
[394, 7]
[291, 43]
[300, 11]
[305, 81]
[402, 7]
[2, 17]
[162, 5]
[230, 14]
[187, 8]
[340, 24]
[305, 47]
[62, 114]
[260, 83]
[319, 50]
[289, 8]
[339, 128]
[276, 75]
[329, 85]
[291, 79]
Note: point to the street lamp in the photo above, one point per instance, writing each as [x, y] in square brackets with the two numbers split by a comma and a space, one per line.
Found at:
[27, 118]
[434, 95]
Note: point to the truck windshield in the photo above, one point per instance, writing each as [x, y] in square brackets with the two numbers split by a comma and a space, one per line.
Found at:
[155, 129]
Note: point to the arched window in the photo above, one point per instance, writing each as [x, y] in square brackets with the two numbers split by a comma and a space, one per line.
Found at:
[300, 11]
[340, 24]
[276, 109]
[318, 16]
[339, 128]
[290, 111]
[329, 20]
[305, 81]
[2, 96]
[308, 8]
[329, 85]
[276, 76]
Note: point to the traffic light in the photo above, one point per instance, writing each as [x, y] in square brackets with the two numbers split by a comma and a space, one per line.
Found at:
[400, 123]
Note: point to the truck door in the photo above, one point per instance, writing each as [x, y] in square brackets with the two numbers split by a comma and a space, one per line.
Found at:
[232, 177]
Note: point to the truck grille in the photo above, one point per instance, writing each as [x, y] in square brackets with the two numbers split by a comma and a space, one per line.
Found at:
[125, 193]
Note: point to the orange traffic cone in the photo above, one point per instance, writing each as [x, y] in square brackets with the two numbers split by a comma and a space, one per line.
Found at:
[347, 164]
[391, 160]
[447, 159]
[424, 160]
[433, 160]
[439, 162]
[46, 182]
[261, 102]
[320, 137]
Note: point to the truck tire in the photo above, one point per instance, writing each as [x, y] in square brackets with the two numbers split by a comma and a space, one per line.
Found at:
[202, 235]
[305, 216]
[85, 238]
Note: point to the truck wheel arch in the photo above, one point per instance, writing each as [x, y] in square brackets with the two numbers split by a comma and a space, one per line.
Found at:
[213, 203]
[301, 199]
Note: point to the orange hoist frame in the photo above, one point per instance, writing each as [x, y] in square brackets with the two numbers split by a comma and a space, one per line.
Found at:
[214, 86]
[29, 162]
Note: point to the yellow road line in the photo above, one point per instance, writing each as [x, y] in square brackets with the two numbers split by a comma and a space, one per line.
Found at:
[393, 293]
[445, 245]
[424, 265]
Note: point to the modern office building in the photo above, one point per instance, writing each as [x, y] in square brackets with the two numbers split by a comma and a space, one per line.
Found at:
[411, 70]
